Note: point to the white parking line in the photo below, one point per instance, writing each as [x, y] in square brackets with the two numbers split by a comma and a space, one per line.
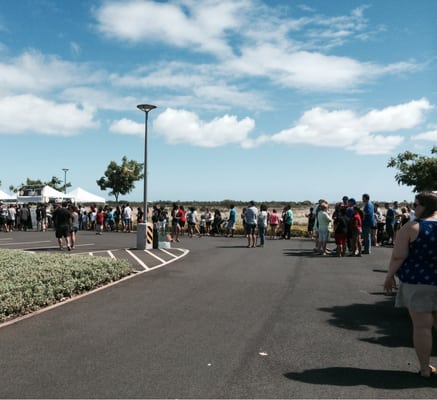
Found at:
[170, 254]
[39, 241]
[184, 253]
[137, 260]
[154, 255]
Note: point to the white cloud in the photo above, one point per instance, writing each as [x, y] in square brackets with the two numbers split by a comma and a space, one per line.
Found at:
[28, 113]
[310, 70]
[249, 38]
[180, 126]
[319, 127]
[393, 118]
[127, 127]
[346, 129]
[38, 73]
[428, 136]
[376, 144]
[198, 25]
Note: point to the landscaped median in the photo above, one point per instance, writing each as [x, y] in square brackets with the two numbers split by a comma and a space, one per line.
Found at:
[30, 281]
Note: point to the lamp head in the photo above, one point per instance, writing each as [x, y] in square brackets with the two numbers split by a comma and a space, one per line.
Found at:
[146, 107]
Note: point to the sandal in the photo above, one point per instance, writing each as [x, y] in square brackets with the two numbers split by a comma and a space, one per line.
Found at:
[432, 372]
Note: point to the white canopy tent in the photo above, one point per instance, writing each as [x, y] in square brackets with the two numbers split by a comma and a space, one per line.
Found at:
[45, 195]
[82, 196]
[5, 196]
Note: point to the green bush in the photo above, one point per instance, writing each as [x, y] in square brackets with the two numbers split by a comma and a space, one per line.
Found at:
[30, 281]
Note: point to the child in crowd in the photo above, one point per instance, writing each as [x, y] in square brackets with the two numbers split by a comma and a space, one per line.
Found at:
[356, 224]
[340, 232]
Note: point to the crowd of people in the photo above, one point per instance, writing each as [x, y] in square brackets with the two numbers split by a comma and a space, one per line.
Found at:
[212, 222]
[356, 229]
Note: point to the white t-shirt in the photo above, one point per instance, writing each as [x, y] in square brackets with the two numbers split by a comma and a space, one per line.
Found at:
[251, 215]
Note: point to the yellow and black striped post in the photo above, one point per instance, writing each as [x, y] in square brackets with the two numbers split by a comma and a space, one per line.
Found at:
[149, 236]
[144, 236]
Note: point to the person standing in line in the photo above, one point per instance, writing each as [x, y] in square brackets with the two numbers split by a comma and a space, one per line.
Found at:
[398, 214]
[3, 218]
[117, 217]
[251, 217]
[376, 227]
[208, 221]
[357, 228]
[274, 222]
[310, 224]
[288, 222]
[100, 221]
[390, 217]
[324, 223]
[175, 227]
[414, 262]
[127, 218]
[182, 220]
[111, 220]
[92, 218]
[62, 222]
[368, 223]
[262, 224]
[350, 210]
[340, 232]
[12, 213]
[74, 214]
[140, 215]
[231, 222]
[24, 217]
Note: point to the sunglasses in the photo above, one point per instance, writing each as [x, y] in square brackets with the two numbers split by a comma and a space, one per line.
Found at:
[416, 205]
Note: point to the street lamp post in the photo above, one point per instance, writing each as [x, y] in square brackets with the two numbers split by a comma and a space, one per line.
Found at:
[146, 108]
[65, 179]
[141, 228]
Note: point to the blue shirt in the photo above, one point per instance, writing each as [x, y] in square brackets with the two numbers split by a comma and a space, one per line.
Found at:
[420, 266]
[390, 217]
[369, 215]
[232, 215]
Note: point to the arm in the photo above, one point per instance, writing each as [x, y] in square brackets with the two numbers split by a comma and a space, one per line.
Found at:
[407, 234]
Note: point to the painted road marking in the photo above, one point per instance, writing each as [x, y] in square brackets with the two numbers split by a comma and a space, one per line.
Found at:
[137, 260]
[39, 241]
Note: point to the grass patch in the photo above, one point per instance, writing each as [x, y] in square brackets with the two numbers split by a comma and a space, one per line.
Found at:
[31, 281]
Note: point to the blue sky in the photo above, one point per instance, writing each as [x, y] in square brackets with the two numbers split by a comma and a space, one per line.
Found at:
[264, 100]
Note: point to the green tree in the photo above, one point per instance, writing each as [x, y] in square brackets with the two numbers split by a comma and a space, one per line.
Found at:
[55, 183]
[415, 170]
[121, 178]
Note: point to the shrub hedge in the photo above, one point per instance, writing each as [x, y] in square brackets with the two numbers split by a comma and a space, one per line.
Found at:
[29, 281]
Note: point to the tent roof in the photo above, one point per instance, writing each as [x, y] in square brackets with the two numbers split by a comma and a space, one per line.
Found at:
[48, 191]
[82, 196]
[5, 196]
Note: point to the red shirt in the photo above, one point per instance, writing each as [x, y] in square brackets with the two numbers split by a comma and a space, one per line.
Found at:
[100, 217]
[356, 223]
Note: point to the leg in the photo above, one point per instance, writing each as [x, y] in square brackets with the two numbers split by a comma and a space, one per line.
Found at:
[366, 237]
[422, 338]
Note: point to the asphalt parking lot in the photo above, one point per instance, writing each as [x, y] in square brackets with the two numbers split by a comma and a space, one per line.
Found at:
[224, 321]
